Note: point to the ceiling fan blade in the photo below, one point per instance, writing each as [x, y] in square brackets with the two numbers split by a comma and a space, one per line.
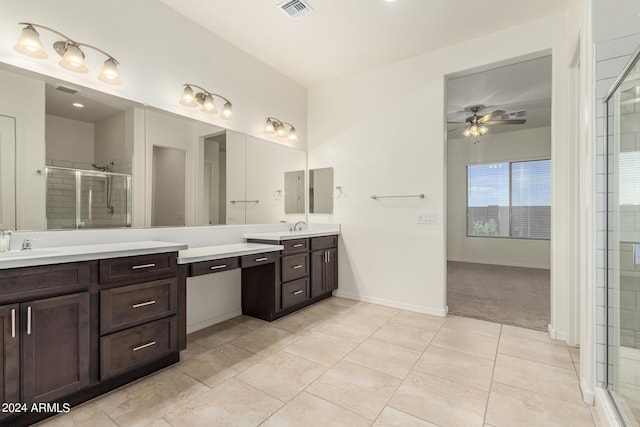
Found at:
[506, 122]
[490, 116]
[456, 123]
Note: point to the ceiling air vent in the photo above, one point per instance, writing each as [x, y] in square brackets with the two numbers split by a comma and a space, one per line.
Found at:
[66, 89]
[295, 8]
[515, 115]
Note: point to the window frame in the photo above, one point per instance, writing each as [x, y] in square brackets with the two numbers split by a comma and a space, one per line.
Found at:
[510, 162]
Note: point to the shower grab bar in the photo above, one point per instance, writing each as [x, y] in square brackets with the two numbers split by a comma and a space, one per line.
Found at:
[243, 201]
[374, 197]
[636, 254]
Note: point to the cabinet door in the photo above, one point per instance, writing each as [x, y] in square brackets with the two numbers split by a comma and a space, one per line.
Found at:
[55, 359]
[10, 354]
[317, 273]
[331, 270]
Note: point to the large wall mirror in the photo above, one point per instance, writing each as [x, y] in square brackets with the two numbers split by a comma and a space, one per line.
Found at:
[72, 157]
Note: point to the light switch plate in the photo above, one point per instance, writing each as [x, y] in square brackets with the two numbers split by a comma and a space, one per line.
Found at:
[427, 218]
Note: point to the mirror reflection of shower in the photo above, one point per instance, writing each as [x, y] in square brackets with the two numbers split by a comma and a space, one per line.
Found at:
[107, 167]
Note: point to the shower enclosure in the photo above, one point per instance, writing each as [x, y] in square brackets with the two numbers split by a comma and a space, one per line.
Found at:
[78, 198]
[623, 243]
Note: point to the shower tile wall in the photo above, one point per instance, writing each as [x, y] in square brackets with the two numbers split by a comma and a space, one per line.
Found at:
[611, 57]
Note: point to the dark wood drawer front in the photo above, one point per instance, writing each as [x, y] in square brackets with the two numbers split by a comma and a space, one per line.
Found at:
[258, 259]
[19, 284]
[295, 246]
[132, 348]
[295, 267]
[324, 242]
[140, 268]
[132, 305]
[214, 266]
[294, 292]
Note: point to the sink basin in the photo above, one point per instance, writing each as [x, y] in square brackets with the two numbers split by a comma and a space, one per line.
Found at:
[27, 254]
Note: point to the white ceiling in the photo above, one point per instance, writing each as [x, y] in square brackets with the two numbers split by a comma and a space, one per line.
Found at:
[343, 37]
[97, 105]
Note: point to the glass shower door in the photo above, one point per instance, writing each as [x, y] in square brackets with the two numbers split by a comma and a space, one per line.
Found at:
[623, 245]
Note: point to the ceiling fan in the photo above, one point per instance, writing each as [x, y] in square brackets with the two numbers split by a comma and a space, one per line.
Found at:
[477, 124]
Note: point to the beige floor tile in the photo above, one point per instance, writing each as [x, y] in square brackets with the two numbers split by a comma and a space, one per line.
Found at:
[419, 320]
[384, 357]
[309, 410]
[191, 351]
[537, 377]
[345, 302]
[374, 313]
[266, 341]
[330, 307]
[282, 375]
[249, 322]
[232, 403]
[393, 418]
[320, 348]
[480, 327]
[302, 320]
[466, 342]
[458, 367]
[160, 423]
[575, 354]
[550, 354]
[529, 333]
[219, 334]
[217, 365]
[350, 328]
[356, 388]
[145, 401]
[509, 406]
[405, 336]
[440, 401]
[81, 416]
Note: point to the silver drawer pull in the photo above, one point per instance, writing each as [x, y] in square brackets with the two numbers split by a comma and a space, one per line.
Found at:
[295, 267]
[13, 323]
[261, 259]
[136, 267]
[143, 304]
[149, 344]
[298, 245]
[297, 292]
[218, 267]
[29, 320]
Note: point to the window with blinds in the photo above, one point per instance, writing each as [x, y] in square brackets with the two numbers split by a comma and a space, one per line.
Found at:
[509, 199]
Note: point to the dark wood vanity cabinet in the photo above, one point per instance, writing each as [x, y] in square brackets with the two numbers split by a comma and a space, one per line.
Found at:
[324, 271]
[10, 356]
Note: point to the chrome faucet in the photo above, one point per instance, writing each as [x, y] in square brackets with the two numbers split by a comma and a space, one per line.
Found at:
[295, 227]
[26, 244]
[5, 240]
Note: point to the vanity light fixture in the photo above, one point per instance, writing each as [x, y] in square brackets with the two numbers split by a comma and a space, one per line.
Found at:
[206, 99]
[273, 125]
[29, 44]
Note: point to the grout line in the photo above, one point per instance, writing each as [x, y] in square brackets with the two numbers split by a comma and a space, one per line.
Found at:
[493, 371]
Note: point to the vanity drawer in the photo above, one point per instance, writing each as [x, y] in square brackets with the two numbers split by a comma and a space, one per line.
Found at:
[324, 242]
[257, 259]
[19, 284]
[295, 267]
[294, 246]
[214, 266]
[141, 268]
[132, 305]
[132, 348]
[294, 292]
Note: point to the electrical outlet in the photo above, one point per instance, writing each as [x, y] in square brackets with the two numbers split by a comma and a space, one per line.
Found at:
[427, 218]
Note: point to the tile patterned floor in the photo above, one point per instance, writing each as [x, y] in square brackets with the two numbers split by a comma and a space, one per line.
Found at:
[347, 363]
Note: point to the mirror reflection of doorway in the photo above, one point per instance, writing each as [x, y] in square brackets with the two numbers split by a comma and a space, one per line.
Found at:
[7, 173]
[214, 189]
[169, 172]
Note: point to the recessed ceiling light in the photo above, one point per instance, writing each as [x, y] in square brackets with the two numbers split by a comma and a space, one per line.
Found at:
[78, 105]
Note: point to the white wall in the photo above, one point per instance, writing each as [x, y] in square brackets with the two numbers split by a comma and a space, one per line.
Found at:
[69, 140]
[387, 137]
[496, 147]
[169, 171]
[23, 98]
[613, 19]
[111, 143]
[159, 50]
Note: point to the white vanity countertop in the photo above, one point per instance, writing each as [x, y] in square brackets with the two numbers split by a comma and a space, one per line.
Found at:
[287, 235]
[62, 254]
[209, 253]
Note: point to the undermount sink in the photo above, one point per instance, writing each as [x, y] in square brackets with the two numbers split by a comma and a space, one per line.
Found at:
[27, 254]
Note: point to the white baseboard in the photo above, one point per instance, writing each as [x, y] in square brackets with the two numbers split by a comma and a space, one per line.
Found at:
[506, 264]
[604, 408]
[214, 320]
[409, 307]
[554, 334]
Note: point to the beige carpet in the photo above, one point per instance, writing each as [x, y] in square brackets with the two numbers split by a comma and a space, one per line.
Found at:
[511, 295]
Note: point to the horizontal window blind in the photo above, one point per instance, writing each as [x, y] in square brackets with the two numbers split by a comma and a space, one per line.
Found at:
[531, 199]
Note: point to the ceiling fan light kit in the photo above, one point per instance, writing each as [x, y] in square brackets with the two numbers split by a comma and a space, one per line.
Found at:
[477, 124]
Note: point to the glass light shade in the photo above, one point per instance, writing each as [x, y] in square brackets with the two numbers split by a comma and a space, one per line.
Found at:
[188, 99]
[208, 106]
[226, 110]
[109, 73]
[73, 59]
[29, 43]
[292, 134]
[280, 131]
[268, 127]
